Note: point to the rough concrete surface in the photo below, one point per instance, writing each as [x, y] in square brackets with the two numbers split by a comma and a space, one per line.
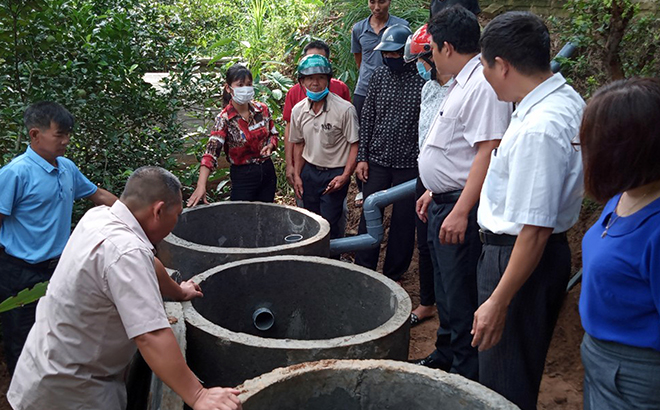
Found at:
[366, 385]
[207, 236]
[324, 309]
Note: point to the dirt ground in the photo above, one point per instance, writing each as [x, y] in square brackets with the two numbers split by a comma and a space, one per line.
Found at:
[561, 387]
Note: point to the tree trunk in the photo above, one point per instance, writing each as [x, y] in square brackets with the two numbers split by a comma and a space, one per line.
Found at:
[622, 13]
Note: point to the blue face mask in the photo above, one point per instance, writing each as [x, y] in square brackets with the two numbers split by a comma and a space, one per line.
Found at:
[425, 74]
[318, 96]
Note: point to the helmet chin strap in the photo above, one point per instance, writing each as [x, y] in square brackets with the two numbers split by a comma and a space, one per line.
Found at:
[434, 71]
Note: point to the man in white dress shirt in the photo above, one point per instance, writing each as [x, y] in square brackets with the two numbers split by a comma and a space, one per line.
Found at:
[452, 165]
[530, 198]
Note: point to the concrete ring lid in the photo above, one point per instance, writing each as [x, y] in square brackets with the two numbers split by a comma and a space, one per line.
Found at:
[473, 394]
[396, 321]
[324, 230]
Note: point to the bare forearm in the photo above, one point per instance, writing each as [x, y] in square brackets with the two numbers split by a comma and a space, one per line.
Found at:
[358, 59]
[161, 352]
[525, 257]
[476, 177]
[168, 287]
[351, 162]
[298, 161]
[102, 197]
[288, 146]
[204, 173]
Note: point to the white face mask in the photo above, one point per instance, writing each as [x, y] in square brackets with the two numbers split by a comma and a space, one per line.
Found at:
[243, 95]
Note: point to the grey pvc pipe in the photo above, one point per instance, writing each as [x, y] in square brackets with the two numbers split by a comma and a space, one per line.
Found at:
[374, 219]
[566, 52]
[263, 318]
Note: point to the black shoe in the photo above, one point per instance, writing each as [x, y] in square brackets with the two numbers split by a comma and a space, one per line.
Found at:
[434, 363]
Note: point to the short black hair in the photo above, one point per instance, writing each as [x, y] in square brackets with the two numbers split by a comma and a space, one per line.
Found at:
[42, 113]
[519, 37]
[149, 184]
[456, 26]
[321, 45]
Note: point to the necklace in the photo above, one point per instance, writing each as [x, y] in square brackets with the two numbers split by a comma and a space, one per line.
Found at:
[611, 221]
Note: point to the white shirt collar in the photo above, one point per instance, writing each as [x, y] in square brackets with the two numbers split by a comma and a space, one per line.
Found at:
[538, 94]
[467, 70]
[121, 211]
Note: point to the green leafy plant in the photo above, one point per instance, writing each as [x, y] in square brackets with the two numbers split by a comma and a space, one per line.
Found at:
[24, 297]
[90, 56]
[609, 35]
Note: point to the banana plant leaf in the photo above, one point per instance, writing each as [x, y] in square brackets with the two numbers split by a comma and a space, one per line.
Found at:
[24, 297]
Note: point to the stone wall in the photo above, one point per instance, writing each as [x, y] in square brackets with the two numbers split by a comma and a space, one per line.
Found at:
[492, 8]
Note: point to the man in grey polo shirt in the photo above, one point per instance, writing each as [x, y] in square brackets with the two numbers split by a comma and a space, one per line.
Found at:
[452, 165]
[365, 36]
[531, 196]
[325, 131]
[102, 302]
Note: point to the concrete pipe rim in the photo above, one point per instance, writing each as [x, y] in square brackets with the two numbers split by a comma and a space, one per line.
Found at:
[399, 319]
[252, 387]
[324, 230]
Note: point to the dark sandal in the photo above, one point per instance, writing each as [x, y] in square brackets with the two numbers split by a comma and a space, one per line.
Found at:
[415, 320]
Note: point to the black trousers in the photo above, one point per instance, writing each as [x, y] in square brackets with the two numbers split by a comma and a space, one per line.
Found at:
[455, 279]
[514, 366]
[253, 182]
[329, 206]
[426, 288]
[401, 236]
[16, 323]
[358, 103]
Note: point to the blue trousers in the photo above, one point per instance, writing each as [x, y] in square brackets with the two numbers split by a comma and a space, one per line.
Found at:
[617, 376]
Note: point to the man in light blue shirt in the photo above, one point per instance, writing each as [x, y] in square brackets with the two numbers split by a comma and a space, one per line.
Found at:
[36, 202]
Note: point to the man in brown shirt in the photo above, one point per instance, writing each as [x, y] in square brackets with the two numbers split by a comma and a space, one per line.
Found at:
[324, 128]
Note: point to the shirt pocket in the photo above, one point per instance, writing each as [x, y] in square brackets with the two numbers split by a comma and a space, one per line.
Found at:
[259, 131]
[495, 189]
[441, 135]
[330, 135]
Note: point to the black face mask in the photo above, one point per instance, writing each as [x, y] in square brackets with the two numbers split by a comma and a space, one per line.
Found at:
[395, 64]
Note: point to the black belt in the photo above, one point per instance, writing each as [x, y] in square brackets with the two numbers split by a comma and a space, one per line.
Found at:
[323, 168]
[489, 238]
[49, 264]
[447, 197]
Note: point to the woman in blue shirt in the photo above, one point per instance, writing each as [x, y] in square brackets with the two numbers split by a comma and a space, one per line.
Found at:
[620, 300]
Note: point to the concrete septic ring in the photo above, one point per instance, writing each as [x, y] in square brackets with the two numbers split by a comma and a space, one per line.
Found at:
[366, 385]
[321, 308]
[207, 236]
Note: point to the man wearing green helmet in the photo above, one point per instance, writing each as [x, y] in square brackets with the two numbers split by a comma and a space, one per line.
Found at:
[324, 129]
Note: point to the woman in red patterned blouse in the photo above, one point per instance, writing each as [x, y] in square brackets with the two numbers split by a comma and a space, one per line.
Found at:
[246, 132]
